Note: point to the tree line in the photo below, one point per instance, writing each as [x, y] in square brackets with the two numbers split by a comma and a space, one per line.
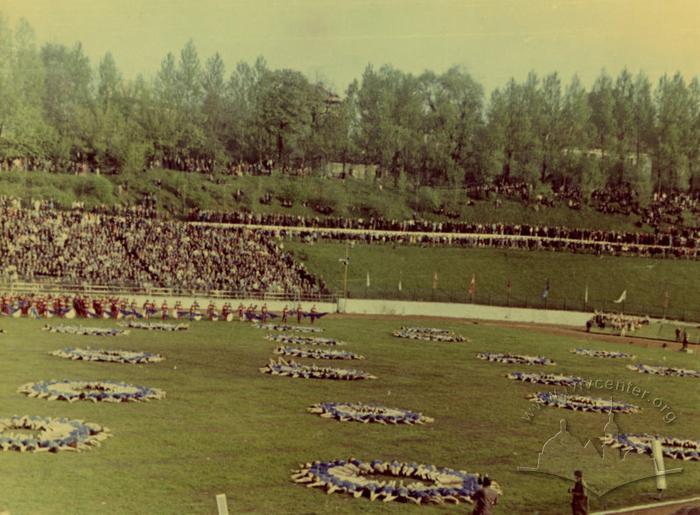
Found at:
[435, 129]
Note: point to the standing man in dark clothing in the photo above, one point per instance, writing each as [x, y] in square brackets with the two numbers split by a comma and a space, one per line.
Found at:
[579, 499]
[485, 498]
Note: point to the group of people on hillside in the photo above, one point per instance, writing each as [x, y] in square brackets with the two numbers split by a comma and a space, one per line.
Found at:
[127, 249]
[77, 164]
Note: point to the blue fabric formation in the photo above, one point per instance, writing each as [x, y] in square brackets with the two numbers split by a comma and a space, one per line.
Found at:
[303, 340]
[111, 356]
[581, 403]
[367, 413]
[428, 333]
[96, 391]
[602, 354]
[293, 369]
[665, 371]
[554, 379]
[674, 448]
[316, 353]
[85, 331]
[55, 434]
[286, 327]
[155, 326]
[257, 316]
[347, 476]
[520, 359]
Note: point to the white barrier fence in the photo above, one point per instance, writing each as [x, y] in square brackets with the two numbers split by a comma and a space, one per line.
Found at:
[470, 311]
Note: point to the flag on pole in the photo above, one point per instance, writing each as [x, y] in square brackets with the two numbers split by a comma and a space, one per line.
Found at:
[400, 287]
[435, 280]
[622, 298]
[585, 295]
[368, 281]
[666, 296]
[545, 292]
[472, 286]
[509, 286]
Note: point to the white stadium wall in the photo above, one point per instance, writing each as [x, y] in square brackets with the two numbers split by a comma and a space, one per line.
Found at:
[475, 311]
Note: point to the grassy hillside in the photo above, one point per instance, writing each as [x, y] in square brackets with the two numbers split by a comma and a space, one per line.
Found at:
[645, 280]
[226, 428]
[179, 192]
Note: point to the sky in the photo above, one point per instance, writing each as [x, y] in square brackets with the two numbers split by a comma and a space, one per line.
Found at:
[334, 40]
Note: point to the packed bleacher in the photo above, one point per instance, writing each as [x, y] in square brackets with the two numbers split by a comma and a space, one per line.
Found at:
[128, 249]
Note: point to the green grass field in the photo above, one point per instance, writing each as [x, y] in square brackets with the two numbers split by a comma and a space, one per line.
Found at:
[226, 428]
[645, 280]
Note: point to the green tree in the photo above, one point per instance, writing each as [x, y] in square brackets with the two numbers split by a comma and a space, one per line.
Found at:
[602, 103]
[672, 126]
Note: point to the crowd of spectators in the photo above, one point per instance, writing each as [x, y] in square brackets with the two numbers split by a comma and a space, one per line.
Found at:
[182, 162]
[525, 193]
[128, 249]
[207, 165]
[616, 321]
[665, 208]
[79, 164]
[668, 209]
[677, 238]
[510, 242]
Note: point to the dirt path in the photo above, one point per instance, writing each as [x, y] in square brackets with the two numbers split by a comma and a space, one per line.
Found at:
[646, 343]
[681, 508]
[559, 330]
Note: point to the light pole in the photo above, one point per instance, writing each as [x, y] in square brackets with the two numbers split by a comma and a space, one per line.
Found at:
[346, 262]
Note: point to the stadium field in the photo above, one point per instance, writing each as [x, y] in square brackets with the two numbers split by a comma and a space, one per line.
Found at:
[645, 280]
[224, 427]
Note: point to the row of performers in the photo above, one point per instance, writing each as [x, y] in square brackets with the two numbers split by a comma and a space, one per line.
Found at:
[85, 307]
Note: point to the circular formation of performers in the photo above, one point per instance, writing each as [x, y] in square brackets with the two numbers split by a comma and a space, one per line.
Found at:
[296, 352]
[521, 359]
[95, 391]
[553, 379]
[367, 413]
[52, 434]
[664, 371]
[353, 477]
[674, 448]
[582, 403]
[282, 367]
[109, 356]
